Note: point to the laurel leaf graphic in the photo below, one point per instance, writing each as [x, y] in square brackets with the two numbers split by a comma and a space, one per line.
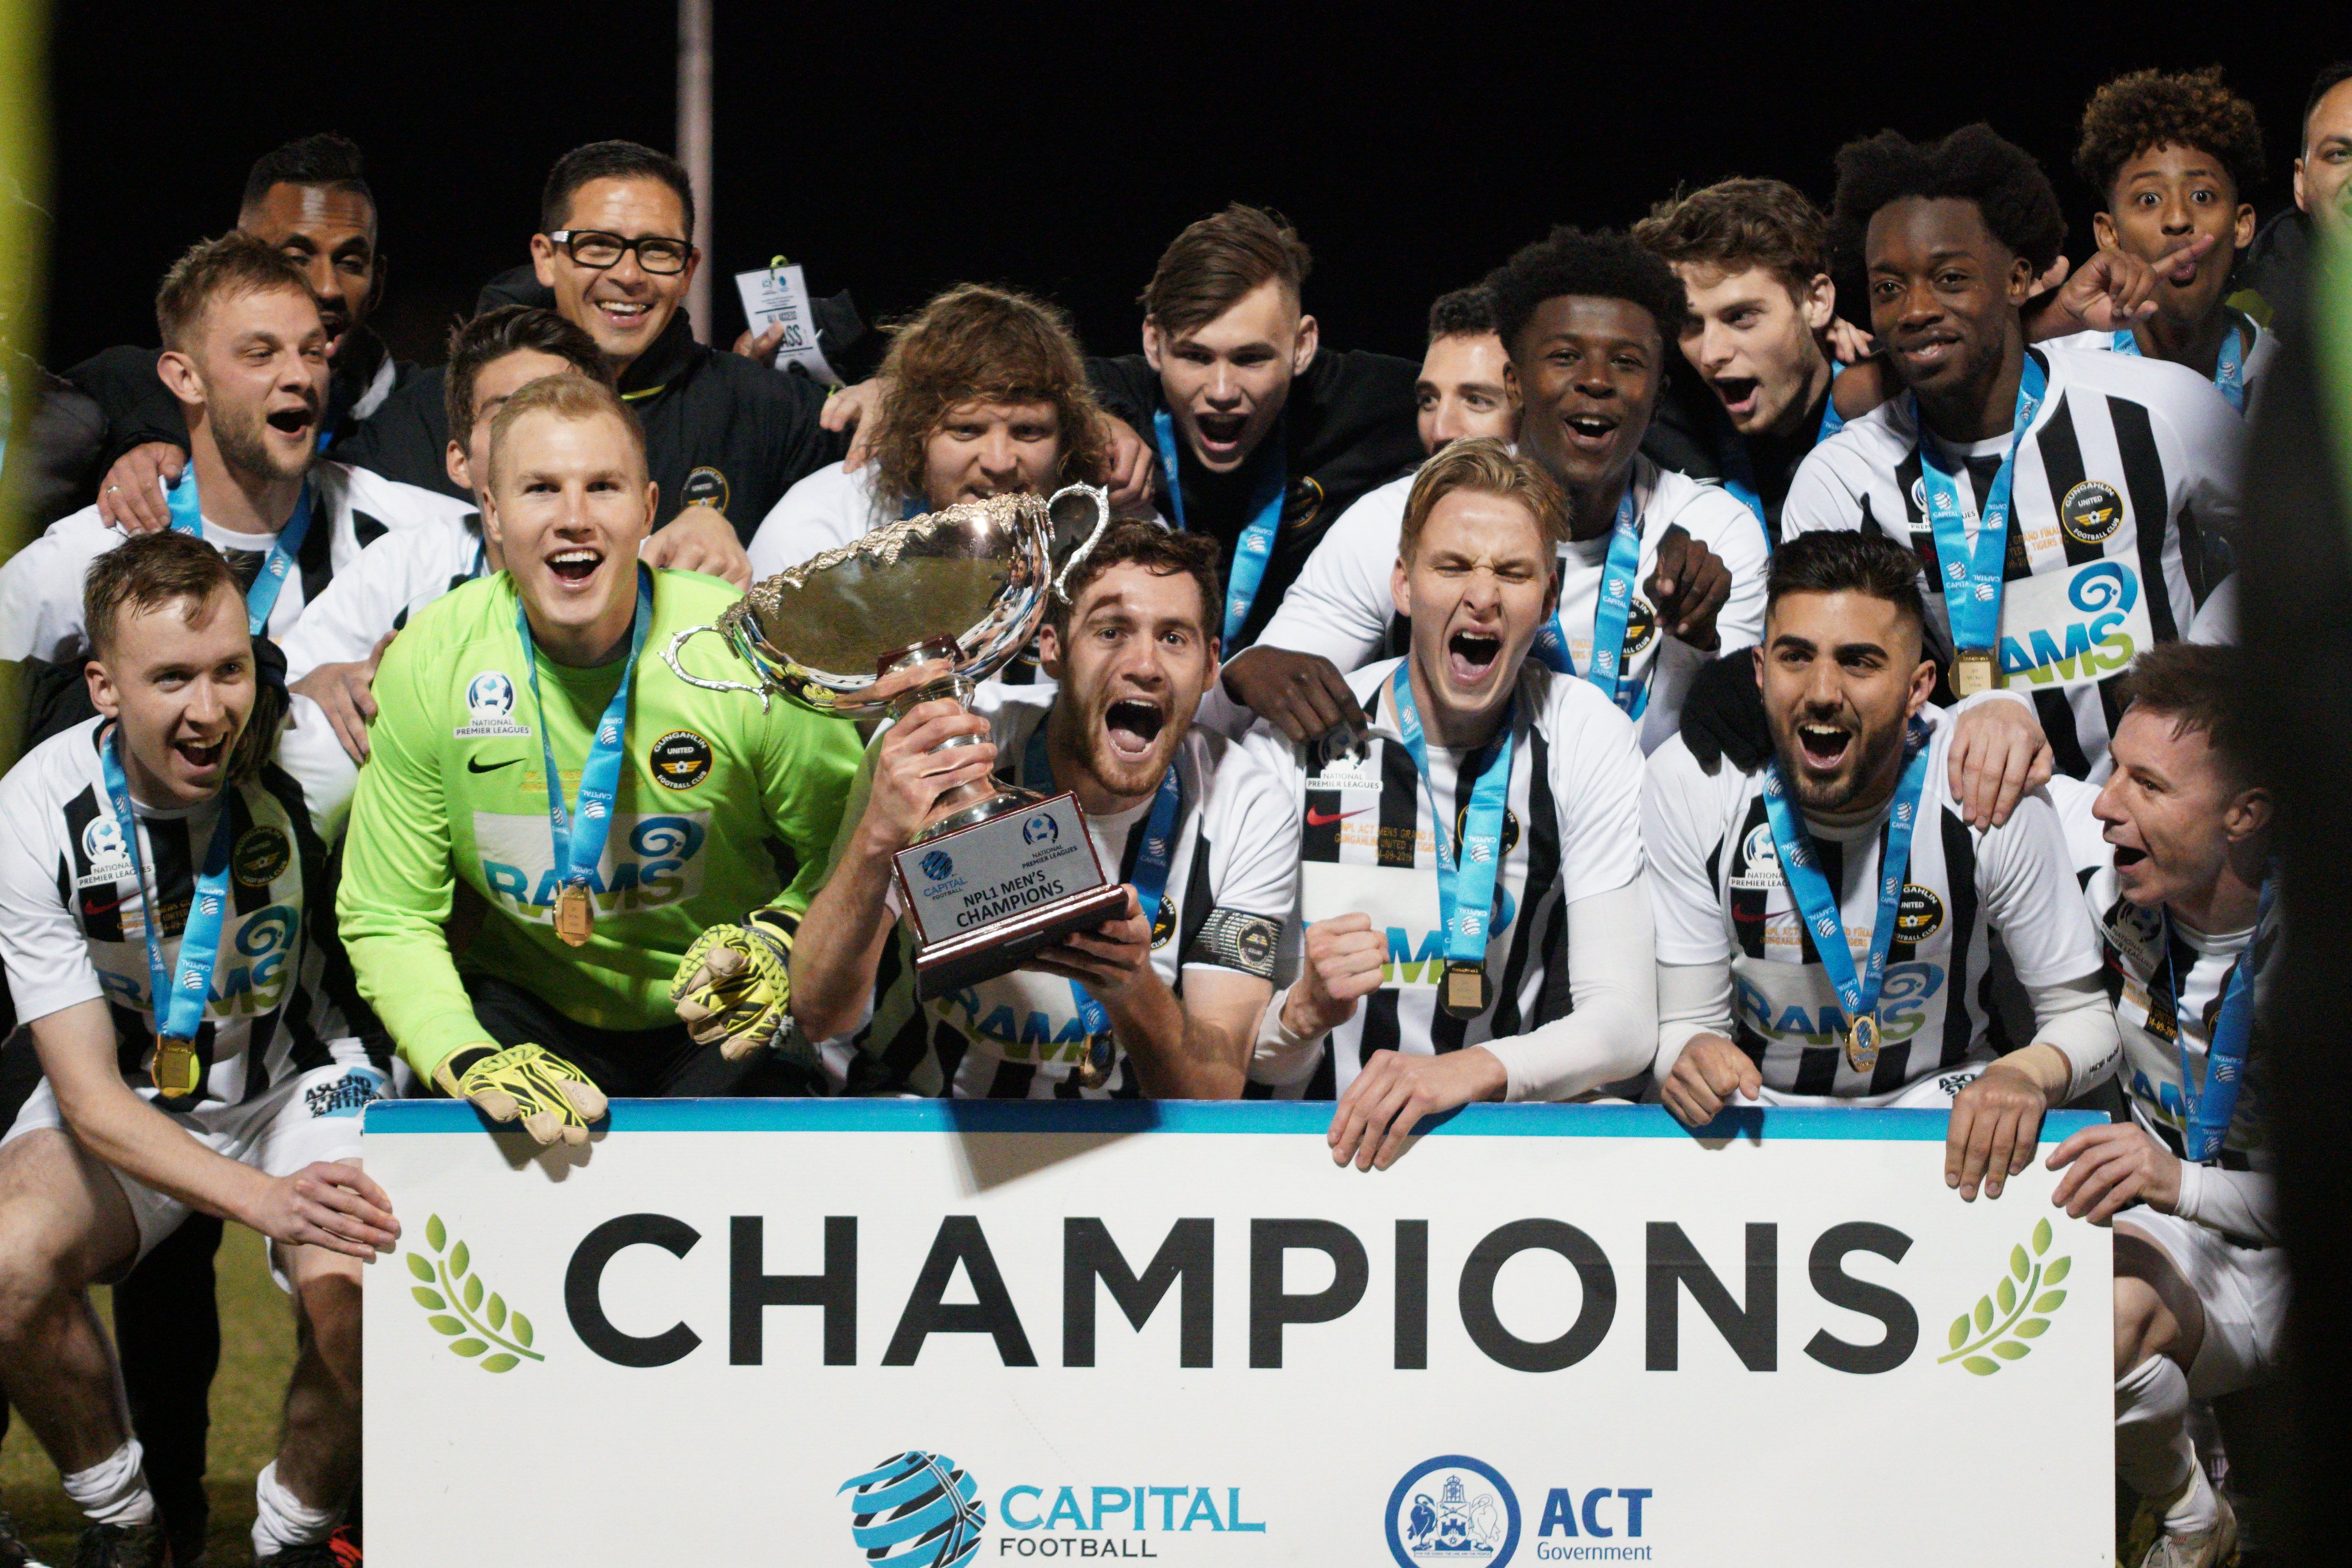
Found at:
[437, 1235]
[1984, 1313]
[522, 1330]
[2033, 1328]
[420, 1267]
[495, 1315]
[1980, 1366]
[2009, 1349]
[2018, 1267]
[447, 1325]
[2057, 1270]
[2049, 1301]
[2008, 1297]
[1959, 1335]
[459, 1262]
[501, 1361]
[474, 1293]
[431, 1299]
[468, 1346]
[2041, 1236]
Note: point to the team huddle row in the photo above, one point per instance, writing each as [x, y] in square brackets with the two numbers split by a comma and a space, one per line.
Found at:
[1666, 690]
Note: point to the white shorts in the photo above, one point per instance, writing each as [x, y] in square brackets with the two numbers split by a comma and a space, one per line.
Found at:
[305, 1120]
[1928, 1091]
[2243, 1290]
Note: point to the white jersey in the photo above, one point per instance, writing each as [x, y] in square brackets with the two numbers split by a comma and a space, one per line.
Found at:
[2129, 466]
[393, 578]
[2147, 955]
[2255, 371]
[1020, 1036]
[41, 585]
[1571, 830]
[1342, 606]
[1721, 898]
[824, 510]
[73, 919]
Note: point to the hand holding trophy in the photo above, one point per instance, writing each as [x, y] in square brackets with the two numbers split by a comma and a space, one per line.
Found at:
[919, 610]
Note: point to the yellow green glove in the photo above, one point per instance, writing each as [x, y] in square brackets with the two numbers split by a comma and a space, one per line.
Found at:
[734, 987]
[552, 1098]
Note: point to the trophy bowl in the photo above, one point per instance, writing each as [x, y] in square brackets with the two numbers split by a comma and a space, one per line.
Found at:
[998, 871]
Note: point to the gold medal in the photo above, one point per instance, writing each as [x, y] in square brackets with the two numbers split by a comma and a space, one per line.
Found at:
[575, 915]
[1974, 671]
[1467, 991]
[177, 1073]
[1093, 1068]
[1861, 1043]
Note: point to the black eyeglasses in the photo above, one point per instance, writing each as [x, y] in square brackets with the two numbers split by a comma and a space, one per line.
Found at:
[592, 247]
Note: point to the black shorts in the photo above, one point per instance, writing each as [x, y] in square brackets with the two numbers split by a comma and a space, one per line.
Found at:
[662, 1063]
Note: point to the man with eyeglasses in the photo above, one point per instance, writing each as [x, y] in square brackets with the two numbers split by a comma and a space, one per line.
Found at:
[725, 436]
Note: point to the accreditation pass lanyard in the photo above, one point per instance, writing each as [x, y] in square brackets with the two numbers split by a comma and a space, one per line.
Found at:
[2229, 370]
[1817, 904]
[177, 998]
[1151, 884]
[1466, 871]
[1740, 474]
[2211, 1109]
[1972, 579]
[1256, 545]
[187, 517]
[580, 834]
[1609, 615]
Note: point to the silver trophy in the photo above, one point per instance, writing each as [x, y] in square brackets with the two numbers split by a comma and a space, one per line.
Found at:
[999, 872]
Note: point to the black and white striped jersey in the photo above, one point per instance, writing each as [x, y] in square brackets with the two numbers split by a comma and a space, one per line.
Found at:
[2143, 954]
[2126, 477]
[73, 919]
[1020, 1036]
[392, 580]
[1720, 899]
[1571, 830]
[2260, 360]
[40, 587]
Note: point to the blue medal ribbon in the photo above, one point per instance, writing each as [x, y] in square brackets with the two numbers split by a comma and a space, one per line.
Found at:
[176, 998]
[580, 834]
[1610, 613]
[2229, 370]
[1817, 903]
[1255, 545]
[1150, 880]
[2209, 1110]
[1739, 472]
[187, 517]
[1972, 579]
[1466, 871]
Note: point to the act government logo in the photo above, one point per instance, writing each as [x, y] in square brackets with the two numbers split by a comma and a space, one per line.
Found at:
[2091, 512]
[489, 707]
[916, 1510]
[1453, 1510]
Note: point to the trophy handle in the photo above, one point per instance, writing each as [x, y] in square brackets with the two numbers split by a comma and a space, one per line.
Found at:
[669, 657]
[1101, 498]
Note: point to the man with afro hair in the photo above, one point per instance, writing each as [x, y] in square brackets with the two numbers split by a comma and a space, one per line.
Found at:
[2172, 155]
[2060, 499]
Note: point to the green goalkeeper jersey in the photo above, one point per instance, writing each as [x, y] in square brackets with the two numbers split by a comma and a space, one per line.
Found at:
[721, 808]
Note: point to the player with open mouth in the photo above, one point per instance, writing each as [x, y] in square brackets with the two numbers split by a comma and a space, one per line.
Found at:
[1165, 1001]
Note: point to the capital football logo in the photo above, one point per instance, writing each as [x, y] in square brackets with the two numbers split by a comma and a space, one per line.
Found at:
[1453, 1510]
[939, 865]
[916, 1510]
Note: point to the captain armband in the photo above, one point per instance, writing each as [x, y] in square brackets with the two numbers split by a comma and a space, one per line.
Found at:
[1232, 939]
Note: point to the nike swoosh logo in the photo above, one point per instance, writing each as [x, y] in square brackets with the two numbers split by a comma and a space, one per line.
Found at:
[474, 767]
[1315, 819]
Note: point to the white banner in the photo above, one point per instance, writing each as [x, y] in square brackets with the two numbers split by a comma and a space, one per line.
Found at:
[928, 1333]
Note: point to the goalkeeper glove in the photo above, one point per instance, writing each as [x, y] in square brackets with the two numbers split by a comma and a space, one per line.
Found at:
[734, 987]
[552, 1098]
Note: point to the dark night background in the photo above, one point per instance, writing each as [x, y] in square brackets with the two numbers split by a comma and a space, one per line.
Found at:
[894, 150]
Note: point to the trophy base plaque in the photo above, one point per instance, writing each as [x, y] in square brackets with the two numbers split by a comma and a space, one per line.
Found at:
[985, 896]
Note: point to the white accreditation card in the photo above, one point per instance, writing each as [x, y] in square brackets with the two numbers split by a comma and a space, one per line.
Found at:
[774, 295]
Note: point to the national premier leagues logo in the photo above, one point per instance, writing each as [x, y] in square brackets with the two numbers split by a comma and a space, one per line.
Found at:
[489, 707]
[1040, 829]
[1453, 1510]
[916, 1510]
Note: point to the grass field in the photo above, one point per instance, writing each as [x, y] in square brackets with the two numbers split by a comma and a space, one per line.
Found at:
[256, 1352]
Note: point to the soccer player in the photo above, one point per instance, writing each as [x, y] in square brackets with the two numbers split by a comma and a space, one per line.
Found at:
[245, 356]
[620, 823]
[727, 436]
[987, 397]
[1263, 438]
[1478, 928]
[2175, 856]
[160, 891]
[1753, 259]
[2172, 155]
[1836, 829]
[1658, 571]
[2057, 498]
[1463, 392]
[1164, 1000]
[309, 199]
[332, 652]
[2278, 263]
